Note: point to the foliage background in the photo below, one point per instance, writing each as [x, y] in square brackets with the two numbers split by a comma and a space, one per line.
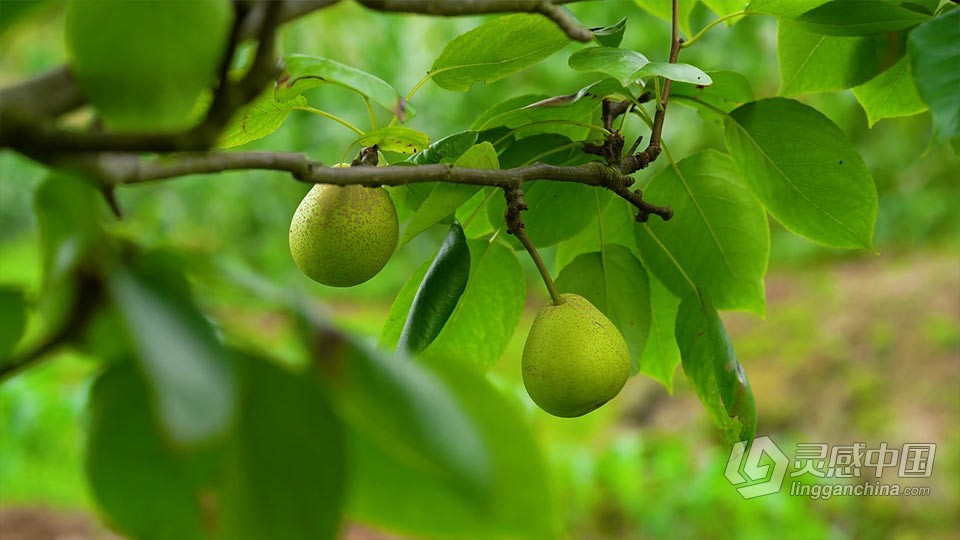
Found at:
[855, 346]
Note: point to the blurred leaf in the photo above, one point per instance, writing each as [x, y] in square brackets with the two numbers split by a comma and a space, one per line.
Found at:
[661, 355]
[811, 63]
[613, 224]
[712, 368]
[444, 198]
[396, 319]
[610, 36]
[13, 319]
[511, 104]
[408, 413]
[663, 11]
[257, 119]
[304, 72]
[489, 309]
[446, 150]
[67, 209]
[144, 65]
[614, 281]
[144, 487]
[676, 72]
[398, 139]
[935, 56]
[621, 64]
[789, 9]
[718, 237]
[729, 90]
[805, 171]
[438, 294]
[859, 17]
[496, 49]
[14, 12]
[285, 465]
[393, 494]
[890, 94]
[185, 364]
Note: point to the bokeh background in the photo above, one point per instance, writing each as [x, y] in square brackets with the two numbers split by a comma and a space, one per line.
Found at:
[855, 346]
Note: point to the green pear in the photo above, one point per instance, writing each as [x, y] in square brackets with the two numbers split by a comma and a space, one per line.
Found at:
[343, 235]
[575, 359]
[145, 64]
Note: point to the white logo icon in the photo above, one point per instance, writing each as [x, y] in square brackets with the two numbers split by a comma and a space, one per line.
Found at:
[759, 479]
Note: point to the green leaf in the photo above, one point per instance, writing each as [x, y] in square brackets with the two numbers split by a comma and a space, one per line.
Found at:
[556, 211]
[496, 50]
[553, 115]
[935, 57]
[612, 224]
[662, 10]
[723, 8]
[511, 104]
[728, 91]
[610, 36]
[712, 368]
[68, 212]
[859, 17]
[438, 294]
[676, 72]
[126, 457]
[718, 238]
[285, 465]
[446, 150]
[302, 72]
[13, 319]
[400, 139]
[789, 9]
[805, 171]
[257, 119]
[444, 198]
[518, 504]
[396, 318]
[489, 309]
[614, 281]
[811, 63]
[661, 354]
[184, 363]
[621, 64]
[890, 94]
[408, 412]
[391, 493]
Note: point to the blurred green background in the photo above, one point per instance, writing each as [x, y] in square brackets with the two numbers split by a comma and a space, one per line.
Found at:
[855, 346]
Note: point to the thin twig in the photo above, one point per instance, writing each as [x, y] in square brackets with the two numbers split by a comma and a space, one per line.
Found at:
[643, 159]
[551, 9]
[89, 296]
[514, 220]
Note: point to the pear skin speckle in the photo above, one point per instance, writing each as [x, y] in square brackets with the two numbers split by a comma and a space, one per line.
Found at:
[575, 359]
[343, 235]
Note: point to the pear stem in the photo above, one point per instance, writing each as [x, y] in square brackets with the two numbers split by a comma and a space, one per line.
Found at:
[541, 266]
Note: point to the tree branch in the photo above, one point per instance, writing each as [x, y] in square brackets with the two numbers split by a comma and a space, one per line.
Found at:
[641, 160]
[89, 296]
[121, 169]
[514, 219]
[551, 9]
